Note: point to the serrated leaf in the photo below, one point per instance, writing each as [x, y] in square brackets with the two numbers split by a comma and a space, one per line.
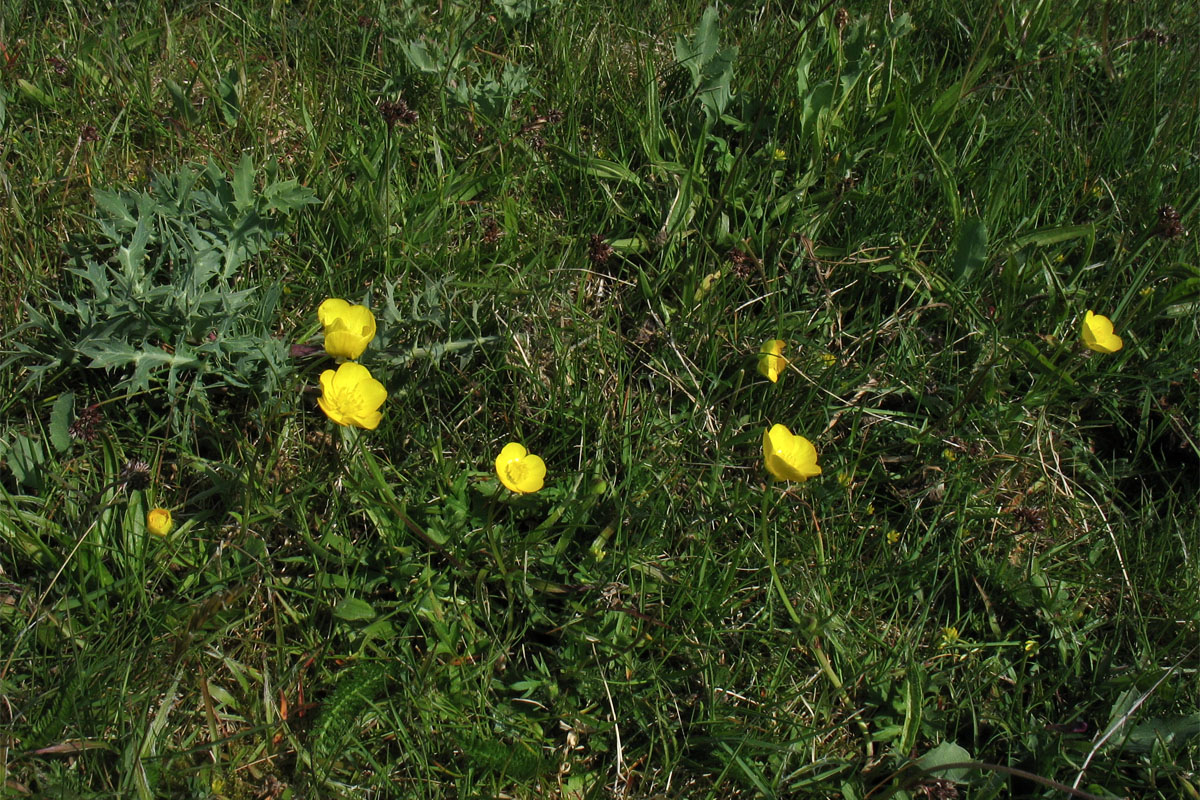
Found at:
[418, 56]
[113, 204]
[353, 609]
[60, 421]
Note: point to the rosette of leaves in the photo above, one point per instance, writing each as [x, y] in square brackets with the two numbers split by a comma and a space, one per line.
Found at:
[160, 294]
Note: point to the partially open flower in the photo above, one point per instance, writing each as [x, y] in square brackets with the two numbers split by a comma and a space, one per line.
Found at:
[158, 521]
[518, 470]
[351, 396]
[789, 457]
[1098, 334]
[348, 329]
[771, 362]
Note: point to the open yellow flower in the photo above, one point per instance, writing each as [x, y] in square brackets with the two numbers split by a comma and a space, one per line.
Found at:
[348, 329]
[789, 457]
[520, 471]
[1098, 334]
[771, 362]
[351, 396]
[158, 521]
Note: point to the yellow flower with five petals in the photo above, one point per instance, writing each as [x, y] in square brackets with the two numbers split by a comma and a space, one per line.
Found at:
[789, 457]
[350, 396]
[520, 471]
[348, 329]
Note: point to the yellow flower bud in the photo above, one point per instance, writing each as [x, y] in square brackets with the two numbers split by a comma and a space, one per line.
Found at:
[348, 329]
[771, 362]
[1098, 334]
[158, 521]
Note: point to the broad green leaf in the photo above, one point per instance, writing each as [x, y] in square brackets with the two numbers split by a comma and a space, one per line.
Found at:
[970, 251]
[35, 94]
[353, 609]
[945, 753]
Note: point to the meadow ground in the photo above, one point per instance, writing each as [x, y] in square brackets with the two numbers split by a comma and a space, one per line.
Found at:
[576, 225]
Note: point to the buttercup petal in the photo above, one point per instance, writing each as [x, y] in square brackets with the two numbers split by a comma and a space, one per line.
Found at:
[349, 376]
[331, 309]
[511, 452]
[533, 475]
[372, 393]
[361, 321]
[369, 421]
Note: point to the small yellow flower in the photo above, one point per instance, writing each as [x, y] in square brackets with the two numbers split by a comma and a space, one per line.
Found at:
[1031, 646]
[870, 509]
[829, 358]
[949, 637]
[949, 455]
[518, 470]
[780, 154]
[770, 359]
[348, 329]
[789, 457]
[1098, 334]
[158, 521]
[893, 536]
[351, 396]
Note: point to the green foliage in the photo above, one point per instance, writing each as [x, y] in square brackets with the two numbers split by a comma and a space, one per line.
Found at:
[354, 692]
[710, 66]
[996, 566]
[518, 761]
[165, 290]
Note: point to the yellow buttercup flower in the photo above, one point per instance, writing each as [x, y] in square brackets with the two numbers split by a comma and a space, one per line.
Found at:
[351, 396]
[348, 329]
[518, 470]
[789, 457]
[158, 521]
[1098, 334]
[770, 359]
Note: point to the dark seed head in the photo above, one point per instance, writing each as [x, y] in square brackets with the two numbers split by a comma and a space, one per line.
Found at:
[85, 424]
[491, 231]
[1169, 224]
[599, 251]
[136, 474]
[743, 263]
[397, 113]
